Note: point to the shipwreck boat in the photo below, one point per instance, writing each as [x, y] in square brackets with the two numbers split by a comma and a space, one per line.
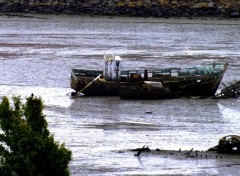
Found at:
[202, 81]
[148, 84]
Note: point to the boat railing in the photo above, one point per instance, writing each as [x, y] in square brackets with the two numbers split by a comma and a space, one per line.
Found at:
[152, 72]
[87, 73]
[210, 69]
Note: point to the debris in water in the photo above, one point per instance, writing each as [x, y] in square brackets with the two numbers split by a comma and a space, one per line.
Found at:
[231, 91]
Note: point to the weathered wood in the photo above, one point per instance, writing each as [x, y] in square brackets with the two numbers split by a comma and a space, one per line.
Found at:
[202, 81]
[231, 91]
[228, 148]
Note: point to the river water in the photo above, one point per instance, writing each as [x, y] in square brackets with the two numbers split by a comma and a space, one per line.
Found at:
[37, 53]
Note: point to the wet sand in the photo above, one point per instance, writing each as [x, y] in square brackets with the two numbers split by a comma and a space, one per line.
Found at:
[38, 52]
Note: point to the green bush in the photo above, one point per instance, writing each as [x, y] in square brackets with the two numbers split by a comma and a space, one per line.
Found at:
[26, 146]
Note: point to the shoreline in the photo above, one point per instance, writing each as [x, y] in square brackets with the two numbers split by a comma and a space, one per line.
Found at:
[85, 17]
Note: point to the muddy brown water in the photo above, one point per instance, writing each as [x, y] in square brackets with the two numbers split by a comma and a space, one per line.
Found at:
[37, 53]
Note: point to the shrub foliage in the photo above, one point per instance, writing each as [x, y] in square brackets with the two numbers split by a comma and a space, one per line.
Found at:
[26, 146]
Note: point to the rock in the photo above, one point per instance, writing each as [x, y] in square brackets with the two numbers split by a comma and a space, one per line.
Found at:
[175, 3]
[200, 5]
[6, 8]
[228, 5]
[162, 2]
[234, 14]
[22, 2]
[211, 4]
[55, 3]
[156, 8]
[70, 1]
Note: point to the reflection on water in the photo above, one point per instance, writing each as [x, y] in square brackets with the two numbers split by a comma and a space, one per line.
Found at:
[37, 55]
[51, 96]
[231, 115]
